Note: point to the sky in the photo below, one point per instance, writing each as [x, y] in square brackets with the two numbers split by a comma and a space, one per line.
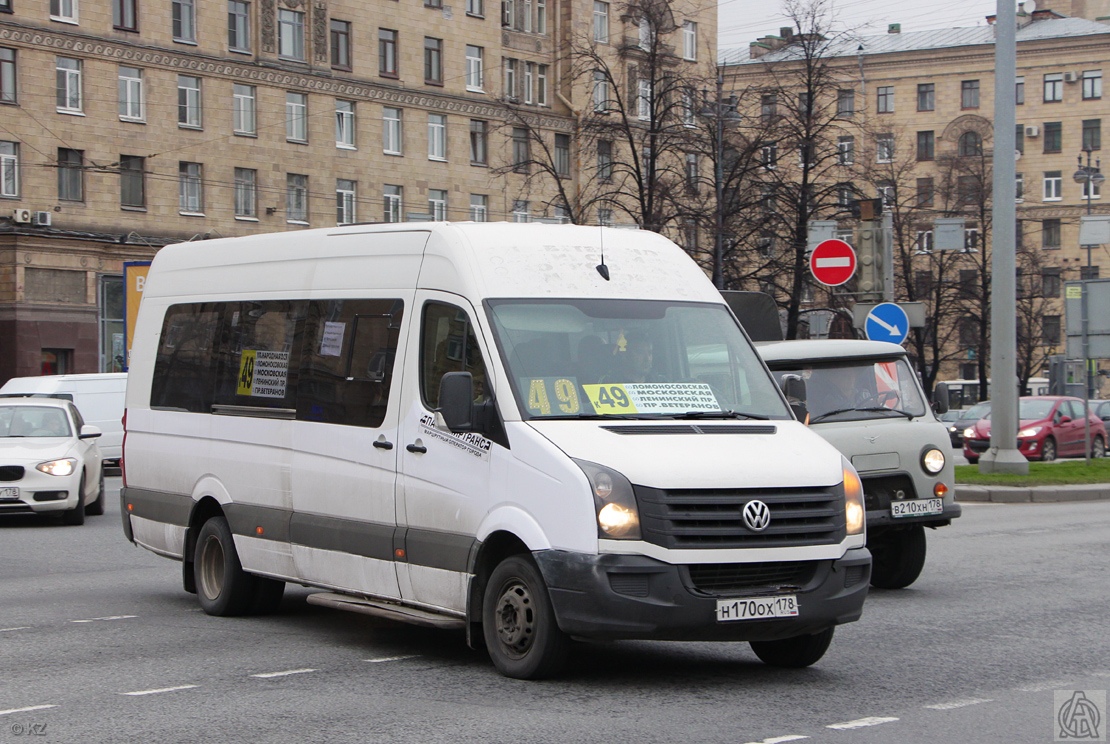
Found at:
[743, 21]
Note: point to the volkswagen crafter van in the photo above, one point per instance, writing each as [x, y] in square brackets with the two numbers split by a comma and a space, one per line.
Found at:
[444, 424]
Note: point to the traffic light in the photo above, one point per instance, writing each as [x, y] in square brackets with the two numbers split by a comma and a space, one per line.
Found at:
[869, 260]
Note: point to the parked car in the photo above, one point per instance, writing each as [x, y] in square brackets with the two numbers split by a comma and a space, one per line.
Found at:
[1101, 408]
[967, 417]
[1049, 426]
[49, 460]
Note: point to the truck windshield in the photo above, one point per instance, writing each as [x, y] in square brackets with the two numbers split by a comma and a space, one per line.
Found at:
[587, 358]
[859, 389]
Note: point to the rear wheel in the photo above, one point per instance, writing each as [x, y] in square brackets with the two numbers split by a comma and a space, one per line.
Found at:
[1048, 450]
[96, 508]
[518, 622]
[223, 587]
[898, 557]
[794, 653]
[76, 515]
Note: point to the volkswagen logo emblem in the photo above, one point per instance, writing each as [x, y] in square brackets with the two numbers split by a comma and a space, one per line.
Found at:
[756, 516]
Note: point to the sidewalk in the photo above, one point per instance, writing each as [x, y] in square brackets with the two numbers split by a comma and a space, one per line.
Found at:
[1028, 494]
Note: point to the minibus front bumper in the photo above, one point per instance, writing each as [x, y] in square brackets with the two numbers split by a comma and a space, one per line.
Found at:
[614, 596]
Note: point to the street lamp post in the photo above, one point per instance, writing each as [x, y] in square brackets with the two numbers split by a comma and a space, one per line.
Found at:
[1090, 177]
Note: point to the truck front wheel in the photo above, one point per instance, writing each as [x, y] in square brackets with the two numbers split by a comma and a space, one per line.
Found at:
[794, 653]
[897, 557]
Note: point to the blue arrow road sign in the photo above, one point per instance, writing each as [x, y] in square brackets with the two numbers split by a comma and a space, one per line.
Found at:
[887, 322]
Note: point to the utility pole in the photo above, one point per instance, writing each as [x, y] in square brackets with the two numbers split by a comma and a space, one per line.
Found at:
[720, 110]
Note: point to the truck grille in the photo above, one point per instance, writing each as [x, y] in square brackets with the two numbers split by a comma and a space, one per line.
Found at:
[711, 518]
[728, 578]
[879, 492]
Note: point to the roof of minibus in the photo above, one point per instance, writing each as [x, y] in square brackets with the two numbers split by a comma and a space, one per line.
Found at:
[496, 259]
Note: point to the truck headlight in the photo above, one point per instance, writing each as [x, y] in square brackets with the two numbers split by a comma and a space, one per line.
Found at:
[615, 504]
[58, 467]
[932, 461]
[855, 514]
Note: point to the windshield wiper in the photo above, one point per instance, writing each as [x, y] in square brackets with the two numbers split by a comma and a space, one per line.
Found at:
[868, 409]
[723, 414]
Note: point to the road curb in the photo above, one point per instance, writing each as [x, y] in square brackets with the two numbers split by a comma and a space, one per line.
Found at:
[1031, 494]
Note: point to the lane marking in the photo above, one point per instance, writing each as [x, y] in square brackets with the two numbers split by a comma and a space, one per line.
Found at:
[392, 658]
[954, 704]
[28, 709]
[269, 675]
[137, 693]
[99, 619]
[779, 739]
[8, 630]
[1042, 686]
[861, 723]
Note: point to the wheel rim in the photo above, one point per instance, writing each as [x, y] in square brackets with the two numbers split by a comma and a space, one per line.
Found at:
[1049, 452]
[212, 567]
[515, 618]
[1100, 448]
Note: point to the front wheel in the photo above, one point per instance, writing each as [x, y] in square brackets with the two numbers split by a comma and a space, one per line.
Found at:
[518, 622]
[1098, 448]
[897, 558]
[1048, 450]
[794, 653]
[96, 508]
[223, 587]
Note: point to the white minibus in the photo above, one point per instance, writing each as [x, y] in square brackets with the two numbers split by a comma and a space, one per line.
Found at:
[500, 428]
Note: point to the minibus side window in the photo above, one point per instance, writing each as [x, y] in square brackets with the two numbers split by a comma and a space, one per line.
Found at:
[184, 365]
[260, 354]
[448, 344]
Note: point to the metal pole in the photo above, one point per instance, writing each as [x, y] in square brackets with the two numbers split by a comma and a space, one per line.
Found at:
[1086, 342]
[718, 177]
[1003, 455]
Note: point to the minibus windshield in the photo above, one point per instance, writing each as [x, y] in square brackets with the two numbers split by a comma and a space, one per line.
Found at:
[588, 358]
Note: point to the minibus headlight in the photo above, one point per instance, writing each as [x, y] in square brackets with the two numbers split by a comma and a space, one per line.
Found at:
[855, 514]
[932, 461]
[58, 467]
[615, 504]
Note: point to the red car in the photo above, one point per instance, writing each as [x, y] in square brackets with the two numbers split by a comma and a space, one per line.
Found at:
[1050, 426]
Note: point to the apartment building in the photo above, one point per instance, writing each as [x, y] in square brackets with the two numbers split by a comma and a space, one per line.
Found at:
[129, 124]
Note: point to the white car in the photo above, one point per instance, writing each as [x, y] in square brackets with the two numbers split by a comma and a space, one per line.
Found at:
[49, 460]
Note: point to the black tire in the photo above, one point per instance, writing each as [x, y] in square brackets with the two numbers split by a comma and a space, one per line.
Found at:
[518, 622]
[898, 557]
[267, 596]
[1098, 448]
[973, 460]
[76, 515]
[1048, 450]
[96, 508]
[794, 653]
[223, 587]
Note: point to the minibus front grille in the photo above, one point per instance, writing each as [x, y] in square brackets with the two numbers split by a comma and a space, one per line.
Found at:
[713, 518]
[659, 429]
[720, 579]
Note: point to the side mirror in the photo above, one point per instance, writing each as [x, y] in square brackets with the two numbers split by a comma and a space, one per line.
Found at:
[456, 401]
[88, 431]
[1063, 419]
[794, 388]
[940, 398]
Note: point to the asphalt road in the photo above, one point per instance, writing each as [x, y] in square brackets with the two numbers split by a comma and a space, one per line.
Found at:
[100, 644]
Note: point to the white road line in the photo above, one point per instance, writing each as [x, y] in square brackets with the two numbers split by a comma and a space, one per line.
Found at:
[137, 693]
[391, 658]
[861, 723]
[1101, 674]
[26, 710]
[110, 617]
[22, 627]
[1042, 686]
[952, 705]
[268, 675]
[779, 739]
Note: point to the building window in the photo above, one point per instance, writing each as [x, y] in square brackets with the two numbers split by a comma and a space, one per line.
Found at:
[291, 34]
[1088, 272]
[1092, 134]
[970, 144]
[693, 178]
[1050, 330]
[1092, 84]
[969, 94]
[243, 108]
[1019, 91]
[246, 190]
[296, 197]
[188, 102]
[475, 8]
[529, 75]
[926, 97]
[520, 150]
[604, 217]
[925, 192]
[1095, 189]
[1050, 233]
[433, 61]
[9, 169]
[923, 243]
[1051, 281]
[643, 100]
[7, 75]
[541, 85]
[190, 188]
[601, 22]
[884, 148]
[387, 52]
[124, 15]
[63, 10]
[479, 207]
[968, 286]
[510, 79]
[769, 155]
[690, 41]
[1019, 187]
[296, 117]
[885, 99]
[646, 33]
[394, 198]
[341, 45]
[1019, 138]
[845, 102]
[601, 91]
[520, 211]
[562, 154]
[475, 72]
[926, 145]
[71, 174]
[1054, 87]
[238, 26]
[437, 204]
[478, 142]
[184, 14]
[68, 73]
[345, 124]
[768, 103]
[1053, 186]
[132, 181]
[131, 94]
[391, 131]
[541, 17]
[968, 191]
[1053, 136]
[345, 201]
[604, 160]
[437, 137]
[845, 150]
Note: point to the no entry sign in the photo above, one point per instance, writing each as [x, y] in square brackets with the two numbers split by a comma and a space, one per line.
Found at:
[832, 262]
